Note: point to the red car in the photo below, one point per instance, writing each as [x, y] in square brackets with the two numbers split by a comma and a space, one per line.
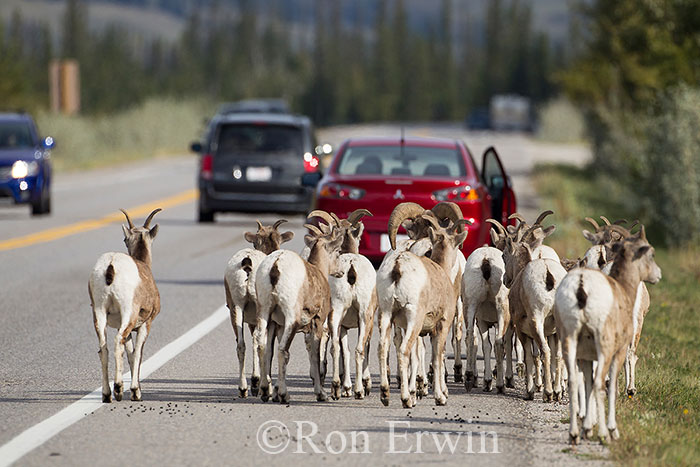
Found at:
[379, 173]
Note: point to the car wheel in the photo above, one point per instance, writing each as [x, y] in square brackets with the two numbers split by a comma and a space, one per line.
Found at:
[205, 216]
[43, 205]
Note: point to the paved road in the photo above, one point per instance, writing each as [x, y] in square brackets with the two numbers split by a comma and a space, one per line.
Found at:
[191, 413]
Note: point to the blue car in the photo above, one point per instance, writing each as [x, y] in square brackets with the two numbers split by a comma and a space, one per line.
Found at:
[25, 163]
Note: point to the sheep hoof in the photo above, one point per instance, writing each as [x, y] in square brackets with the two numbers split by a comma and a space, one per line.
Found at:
[488, 385]
[367, 383]
[631, 391]
[546, 396]
[136, 394]
[509, 382]
[458, 373]
[407, 403]
[254, 391]
[469, 381]
[530, 395]
[384, 397]
[118, 391]
[615, 433]
[588, 433]
[574, 438]
[335, 390]
[557, 396]
[282, 398]
[265, 394]
[346, 392]
[107, 398]
[321, 397]
[359, 395]
[500, 389]
[254, 385]
[539, 387]
[604, 439]
[243, 392]
[441, 400]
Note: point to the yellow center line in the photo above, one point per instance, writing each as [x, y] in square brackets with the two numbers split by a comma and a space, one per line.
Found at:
[91, 224]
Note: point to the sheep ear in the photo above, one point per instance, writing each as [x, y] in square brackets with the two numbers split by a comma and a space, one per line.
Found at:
[549, 230]
[357, 231]
[249, 237]
[529, 249]
[287, 236]
[619, 249]
[153, 232]
[309, 240]
[126, 231]
[641, 251]
[590, 237]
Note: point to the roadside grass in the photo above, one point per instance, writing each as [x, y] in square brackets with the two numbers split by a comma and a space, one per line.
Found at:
[560, 122]
[661, 423]
[158, 127]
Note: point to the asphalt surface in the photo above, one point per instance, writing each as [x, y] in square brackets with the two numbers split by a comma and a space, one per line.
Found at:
[191, 413]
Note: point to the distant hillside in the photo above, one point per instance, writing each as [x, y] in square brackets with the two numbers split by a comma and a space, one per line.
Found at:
[149, 19]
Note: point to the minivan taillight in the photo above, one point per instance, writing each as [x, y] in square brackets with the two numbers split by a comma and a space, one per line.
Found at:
[310, 162]
[205, 170]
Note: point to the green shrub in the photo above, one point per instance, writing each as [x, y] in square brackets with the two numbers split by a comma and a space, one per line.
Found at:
[157, 127]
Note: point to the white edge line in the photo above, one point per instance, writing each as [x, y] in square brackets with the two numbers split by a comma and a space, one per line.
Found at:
[37, 435]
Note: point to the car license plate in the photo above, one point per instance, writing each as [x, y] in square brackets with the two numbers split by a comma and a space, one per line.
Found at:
[385, 245]
[258, 174]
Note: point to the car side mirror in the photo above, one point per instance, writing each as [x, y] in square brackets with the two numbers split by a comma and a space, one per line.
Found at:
[48, 143]
[196, 146]
[311, 179]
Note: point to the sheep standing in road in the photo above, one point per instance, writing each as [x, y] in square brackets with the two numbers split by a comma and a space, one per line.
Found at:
[123, 295]
[239, 283]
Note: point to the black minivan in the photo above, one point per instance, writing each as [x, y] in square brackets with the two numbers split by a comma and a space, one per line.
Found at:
[254, 161]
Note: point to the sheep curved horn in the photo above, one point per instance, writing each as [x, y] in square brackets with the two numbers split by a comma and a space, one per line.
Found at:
[147, 222]
[620, 222]
[605, 219]
[260, 226]
[400, 213]
[517, 215]
[498, 225]
[544, 214]
[323, 215]
[634, 224]
[278, 223]
[128, 220]
[336, 219]
[358, 214]
[449, 210]
[314, 230]
[595, 224]
[621, 230]
[642, 232]
[459, 226]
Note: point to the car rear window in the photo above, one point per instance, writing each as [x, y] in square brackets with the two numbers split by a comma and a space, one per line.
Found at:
[412, 161]
[15, 135]
[262, 138]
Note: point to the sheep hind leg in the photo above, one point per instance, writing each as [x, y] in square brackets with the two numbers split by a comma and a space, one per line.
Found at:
[612, 393]
[255, 377]
[101, 330]
[284, 341]
[421, 377]
[457, 332]
[404, 357]
[236, 313]
[438, 342]
[141, 335]
[383, 354]
[347, 381]
[315, 360]
[508, 347]
[470, 373]
[486, 348]
[570, 350]
[529, 369]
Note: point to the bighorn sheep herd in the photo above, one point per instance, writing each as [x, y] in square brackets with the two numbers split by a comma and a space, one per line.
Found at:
[577, 320]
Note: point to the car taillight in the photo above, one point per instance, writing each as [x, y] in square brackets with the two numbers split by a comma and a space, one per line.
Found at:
[206, 168]
[310, 162]
[336, 190]
[459, 193]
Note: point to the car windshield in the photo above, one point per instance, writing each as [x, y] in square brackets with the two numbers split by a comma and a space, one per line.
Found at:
[252, 138]
[412, 161]
[15, 135]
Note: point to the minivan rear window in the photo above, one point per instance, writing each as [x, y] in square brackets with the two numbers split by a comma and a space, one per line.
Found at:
[411, 161]
[263, 138]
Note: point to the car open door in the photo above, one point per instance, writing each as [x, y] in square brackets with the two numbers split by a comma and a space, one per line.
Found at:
[499, 186]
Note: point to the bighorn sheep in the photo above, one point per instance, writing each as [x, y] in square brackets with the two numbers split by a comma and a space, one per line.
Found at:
[603, 240]
[123, 295]
[239, 283]
[595, 315]
[532, 284]
[485, 299]
[353, 303]
[415, 293]
[293, 294]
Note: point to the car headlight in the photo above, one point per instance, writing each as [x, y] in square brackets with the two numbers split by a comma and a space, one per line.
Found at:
[22, 169]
